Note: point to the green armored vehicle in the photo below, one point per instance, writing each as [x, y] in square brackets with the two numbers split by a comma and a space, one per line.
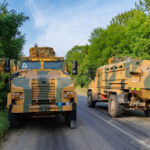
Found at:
[124, 85]
[42, 87]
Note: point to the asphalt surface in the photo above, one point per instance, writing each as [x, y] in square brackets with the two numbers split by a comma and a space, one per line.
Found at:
[96, 130]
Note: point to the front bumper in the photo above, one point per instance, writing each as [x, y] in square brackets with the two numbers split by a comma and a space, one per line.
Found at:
[59, 107]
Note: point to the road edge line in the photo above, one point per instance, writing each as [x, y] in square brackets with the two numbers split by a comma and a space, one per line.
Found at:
[118, 128]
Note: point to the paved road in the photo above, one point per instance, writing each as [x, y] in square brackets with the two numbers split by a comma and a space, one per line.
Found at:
[95, 131]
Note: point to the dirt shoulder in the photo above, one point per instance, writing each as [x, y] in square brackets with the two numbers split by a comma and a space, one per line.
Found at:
[81, 91]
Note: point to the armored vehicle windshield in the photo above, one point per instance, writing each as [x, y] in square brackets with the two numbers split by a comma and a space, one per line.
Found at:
[31, 65]
[55, 65]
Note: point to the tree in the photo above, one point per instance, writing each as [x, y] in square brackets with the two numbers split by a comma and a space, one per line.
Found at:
[80, 54]
[11, 42]
[143, 5]
[11, 39]
[95, 34]
[127, 35]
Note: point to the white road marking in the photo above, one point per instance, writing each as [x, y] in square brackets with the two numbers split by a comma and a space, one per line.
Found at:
[118, 128]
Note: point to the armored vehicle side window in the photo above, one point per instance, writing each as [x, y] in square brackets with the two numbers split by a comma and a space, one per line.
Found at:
[56, 65]
[30, 65]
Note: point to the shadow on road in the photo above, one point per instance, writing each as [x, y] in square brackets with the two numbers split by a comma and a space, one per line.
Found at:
[127, 113]
[45, 123]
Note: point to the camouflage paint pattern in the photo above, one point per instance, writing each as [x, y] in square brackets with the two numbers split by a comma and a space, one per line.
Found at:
[131, 76]
[42, 90]
[43, 52]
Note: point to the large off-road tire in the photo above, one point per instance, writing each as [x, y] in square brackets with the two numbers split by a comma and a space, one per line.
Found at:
[114, 108]
[70, 119]
[90, 101]
[14, 121]
[147, 113]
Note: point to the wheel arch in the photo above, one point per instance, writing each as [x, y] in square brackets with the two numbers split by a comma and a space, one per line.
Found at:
[121, 96]
[111, 93]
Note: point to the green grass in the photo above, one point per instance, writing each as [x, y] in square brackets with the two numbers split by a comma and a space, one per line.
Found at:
[81, 91]
[4, 124]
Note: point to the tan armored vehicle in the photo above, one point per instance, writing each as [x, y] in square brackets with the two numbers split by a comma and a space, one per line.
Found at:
[124, 85]
[42, 87]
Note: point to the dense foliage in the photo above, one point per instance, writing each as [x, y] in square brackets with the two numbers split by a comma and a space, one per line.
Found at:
[128, 34]
[4, 88]
[11, 42]
[11, 39]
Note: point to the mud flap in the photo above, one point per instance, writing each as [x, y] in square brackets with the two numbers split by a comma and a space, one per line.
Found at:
[72, 124]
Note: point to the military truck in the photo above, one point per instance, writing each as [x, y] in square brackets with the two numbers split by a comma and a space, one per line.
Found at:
[42, 87]
[124, 85]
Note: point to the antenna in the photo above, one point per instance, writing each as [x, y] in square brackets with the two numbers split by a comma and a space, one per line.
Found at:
[36, 45]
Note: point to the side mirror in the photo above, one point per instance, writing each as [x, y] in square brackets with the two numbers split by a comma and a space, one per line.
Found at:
[7, 65]
[74, 67]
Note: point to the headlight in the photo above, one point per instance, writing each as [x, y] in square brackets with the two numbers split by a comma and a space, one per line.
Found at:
[65, 95]
[68, 94]
[17, 95]
[21, 96]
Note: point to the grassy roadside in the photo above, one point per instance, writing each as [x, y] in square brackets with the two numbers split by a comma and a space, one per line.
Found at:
[4, 125]
[81, 91]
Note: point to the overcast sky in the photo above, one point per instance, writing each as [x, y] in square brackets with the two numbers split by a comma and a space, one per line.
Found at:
[62, 24]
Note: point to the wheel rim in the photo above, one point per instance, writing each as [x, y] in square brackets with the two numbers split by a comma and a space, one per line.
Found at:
[112, 106]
